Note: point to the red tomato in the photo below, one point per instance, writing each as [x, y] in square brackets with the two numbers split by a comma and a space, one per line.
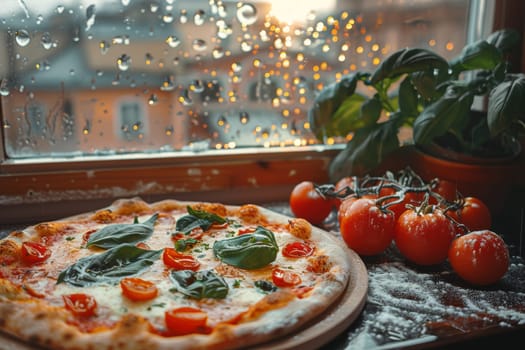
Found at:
[186, 320]
[424, 238]
[367, 229]
[195, 234]
[80, 304]
[479, 257]
[348, 202]
[143, 245]
[446, 189]
[474, 214]
[285, 278]
[33, 253]
[409, 198]
[178, 261]
[137, 289]
[246, 230]
[297, 250]
[307, 203]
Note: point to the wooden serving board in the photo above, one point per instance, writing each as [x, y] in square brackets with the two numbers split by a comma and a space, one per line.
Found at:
[334, 320]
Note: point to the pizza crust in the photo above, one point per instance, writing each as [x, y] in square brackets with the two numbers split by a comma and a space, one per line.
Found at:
[277, 315]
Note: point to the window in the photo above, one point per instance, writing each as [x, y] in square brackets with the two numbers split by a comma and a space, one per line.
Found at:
[90, 85]
[238, 74]
[131, 121]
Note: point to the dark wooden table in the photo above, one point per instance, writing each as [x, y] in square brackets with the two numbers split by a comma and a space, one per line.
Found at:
[419, 308]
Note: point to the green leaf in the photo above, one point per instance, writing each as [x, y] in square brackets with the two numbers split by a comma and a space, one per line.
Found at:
[328, 102]
[265, 286]
[109, 266]
[408, 98]
[451, 112]
[248, 251]
[426, 84]
[200, 284]
[356, 112]
[366, 150]
[478, 55]
[505, 105]
[183, 244]
[408, 60]
[505, 39]
[197, 219]
[113, 235]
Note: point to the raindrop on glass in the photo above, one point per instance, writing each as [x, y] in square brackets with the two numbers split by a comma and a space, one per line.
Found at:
[46, 41]
[217, 52]
[199, 18]
[247, 14]
[222, 121]
[148, 58]
[167, 18]
[154, 7]
[169, 130]
[185, 98]
[60, 9]
[120, 40]
[123, 62]
[172, 41]
[236, 67]
[183, 18]
[167, 84]
[104, 47]
[22, 37]
[4, 88]
[199, 45]
[223, 29]
[87, 127]
[244, 117]
[125, 2]
[153, 99]
[90, 16]
[197, 86]
[246, 46]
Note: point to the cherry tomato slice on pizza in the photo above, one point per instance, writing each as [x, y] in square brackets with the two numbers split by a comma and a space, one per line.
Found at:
[285, 278]
[80, 304]
[178, 261]
[297, 250]
[137, 289]
[33, 253]
[186, 320]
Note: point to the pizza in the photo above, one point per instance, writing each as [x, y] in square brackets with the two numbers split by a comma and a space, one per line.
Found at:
[166, 275]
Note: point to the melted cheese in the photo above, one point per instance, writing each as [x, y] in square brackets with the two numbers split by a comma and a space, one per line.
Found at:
[67, 248]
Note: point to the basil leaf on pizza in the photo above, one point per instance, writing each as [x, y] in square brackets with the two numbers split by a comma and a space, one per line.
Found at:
[113, 235]
[248, 251]
[200, 284]
[109, 266]
[197, 219]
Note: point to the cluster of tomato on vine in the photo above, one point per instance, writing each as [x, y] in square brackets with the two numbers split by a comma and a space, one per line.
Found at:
[429, 223]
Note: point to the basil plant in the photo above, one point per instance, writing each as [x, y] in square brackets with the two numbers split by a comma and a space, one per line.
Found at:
[418, 89]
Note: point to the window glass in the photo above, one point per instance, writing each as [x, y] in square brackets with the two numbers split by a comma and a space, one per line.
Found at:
[104, 77]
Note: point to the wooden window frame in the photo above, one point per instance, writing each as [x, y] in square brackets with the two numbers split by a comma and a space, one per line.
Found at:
[44, 189]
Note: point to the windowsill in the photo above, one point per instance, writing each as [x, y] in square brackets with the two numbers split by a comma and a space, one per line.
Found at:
[45, 189]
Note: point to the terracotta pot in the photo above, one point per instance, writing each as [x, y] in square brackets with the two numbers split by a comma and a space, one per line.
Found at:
[489, 180]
